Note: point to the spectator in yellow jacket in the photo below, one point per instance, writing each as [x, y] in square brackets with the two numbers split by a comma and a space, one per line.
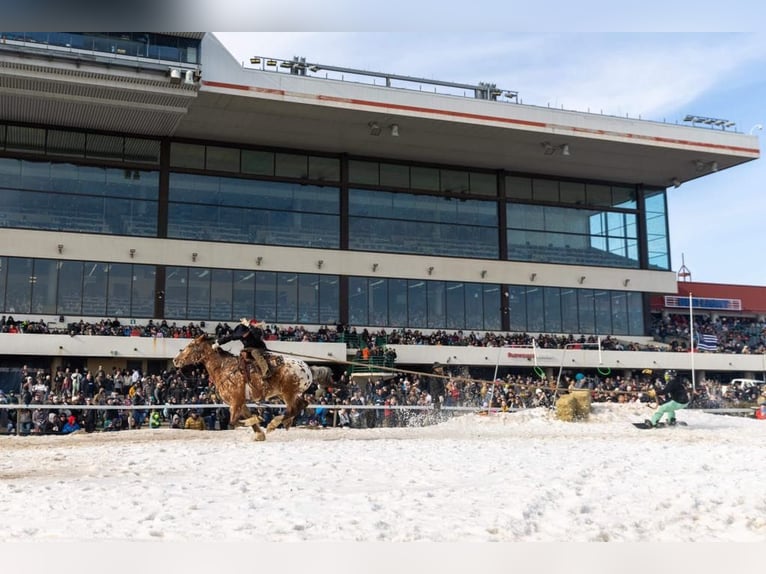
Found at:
[194, 421]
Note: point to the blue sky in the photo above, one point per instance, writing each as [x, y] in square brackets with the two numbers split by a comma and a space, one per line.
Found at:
[716, 222]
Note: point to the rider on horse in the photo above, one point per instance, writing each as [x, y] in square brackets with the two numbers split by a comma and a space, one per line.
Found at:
[251, 335]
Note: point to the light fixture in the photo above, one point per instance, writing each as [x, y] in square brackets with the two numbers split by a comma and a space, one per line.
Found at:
[132, 253]
[626, 282]
[61, 247]
[703, 166]
[550, 149]
[374, 128]
[394, 130]
[175, 76]
[581, 280]
[320, 263]
[189, 77]
[483, 273]
[374, 266]
[271, 62]
[675, 182]
[758, 127]
[258, 260]
[255, 60]
[430, 270]
[532, 276]
[194, 256]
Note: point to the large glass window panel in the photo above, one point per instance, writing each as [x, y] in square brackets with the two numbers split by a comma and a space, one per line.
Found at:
[266, 294]
[140, 150]
[417, 303]
[619, 313]
[378, 302]
[25, 139]
[517, 308]
[453, 181]
[635, 313]
[69, 299]
[603, 306]
[474, 306]
[119, 290]
[10, 172]
[364, 172]
[598, 194]
[624, 197]
[243, 295]
[94, 290]
[329, 299]
[357, 301]
[287, 297]
[257, 162]
[586, 311]
[3, 281]
[426, 178]
[484, 184]
[66, 143]
[44, 286]
[176, 292]
[552, 309]
[291, 165]
[394, 175]
[656, 230]
[455, 298]
[522, 216]
[18, 296]
[36, 175]
[142, 291]
[187, 155]
[199, 293]
[518, 187]
[545, 190]
[99, 146]
[436, 304]
[324, 168]
[572, 192]
[221, 295]
[308, 298]
[397, 302]
[492, 307]
[569, 314]
[535, 314]
[222, 159]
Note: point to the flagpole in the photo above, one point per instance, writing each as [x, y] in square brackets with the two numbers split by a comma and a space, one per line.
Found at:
[691, 338]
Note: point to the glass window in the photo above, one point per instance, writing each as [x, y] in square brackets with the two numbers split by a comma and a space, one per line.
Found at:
[329, 299]
[69, 298]
[287, 297]
[94, 290]
[569, 313]
[417, 306]
[545, 190]
[552, 309]
[100, 146]
[176, 292]
[265, 296]
[308, 298]
[436, 304]
[394, 175]
[603, 307]
[71, 144]
[454, 181]
[25, 139]
[491, 307]
[455, 298]
[44, 286]
[535, 313]
[141, 150]
[142, 292]
[624, 197]
[619, 313]
[357, 301]
[656, 230]
[572, 192]
[222, 159]
[119, 290]
[635, 313]
[291, 165]
[397, 302]
[517, 308]
[484, 184]
[18, 294]
[257, 162]
[243, 295]
[363, 172]
[586, 312]
[426, 178]
[221, 295]
[187, 155]
[324, 168]
[598, 194]
[378, 302]
[474, 306]
[199, 292]
[518, 187]
[3, 281]
[2, 136]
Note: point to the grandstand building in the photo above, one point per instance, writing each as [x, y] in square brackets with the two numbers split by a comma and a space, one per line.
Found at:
[152, 176]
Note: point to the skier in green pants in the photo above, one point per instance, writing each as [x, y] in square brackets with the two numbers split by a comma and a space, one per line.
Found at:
[676, 398]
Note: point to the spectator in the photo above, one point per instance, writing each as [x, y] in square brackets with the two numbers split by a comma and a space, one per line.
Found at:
[194, 421]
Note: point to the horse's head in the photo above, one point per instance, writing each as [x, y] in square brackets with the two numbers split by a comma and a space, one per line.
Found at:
[194, 353]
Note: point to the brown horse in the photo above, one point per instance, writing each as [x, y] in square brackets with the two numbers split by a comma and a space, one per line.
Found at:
[289, 380]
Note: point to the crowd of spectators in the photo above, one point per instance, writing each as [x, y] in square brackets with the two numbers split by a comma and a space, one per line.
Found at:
[737, 335]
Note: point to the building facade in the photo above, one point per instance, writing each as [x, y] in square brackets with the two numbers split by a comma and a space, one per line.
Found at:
[147, 176]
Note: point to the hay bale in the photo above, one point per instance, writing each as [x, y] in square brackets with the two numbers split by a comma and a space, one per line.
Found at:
[582, 404]
[566, 408]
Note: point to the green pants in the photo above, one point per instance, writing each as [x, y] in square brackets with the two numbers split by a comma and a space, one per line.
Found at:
[668, 408]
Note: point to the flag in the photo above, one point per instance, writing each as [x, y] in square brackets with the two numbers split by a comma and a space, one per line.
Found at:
[707, 343]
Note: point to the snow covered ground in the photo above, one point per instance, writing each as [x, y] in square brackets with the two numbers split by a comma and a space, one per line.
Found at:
[515, 477]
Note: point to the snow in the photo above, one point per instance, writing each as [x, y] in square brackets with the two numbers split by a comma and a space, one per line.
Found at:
[512, 477]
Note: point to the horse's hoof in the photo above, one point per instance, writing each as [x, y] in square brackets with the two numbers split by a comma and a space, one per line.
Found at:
[259, 436]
